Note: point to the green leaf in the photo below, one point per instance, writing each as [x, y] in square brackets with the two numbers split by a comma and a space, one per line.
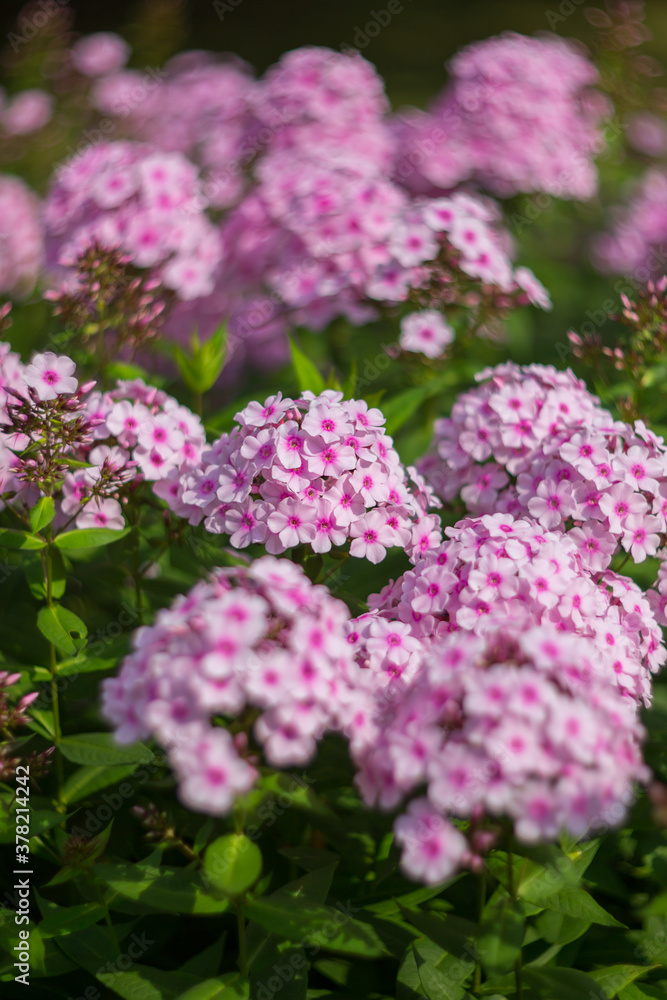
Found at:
[311, 858]
[232, 863]
[556, 870]
[565, 984]
[41, 721]
[451, 933]
[62, 628]
[557, 928]
[94, 848]
[88, 538]
[9, 938]
[501, 936]
[203, 834]
[11, 538]
[64, 874]
[201, 367]
[130, 370]
[401, 407]
[42, 513]
[67, 920]
[41, 820]
[92, 778]
[441, 980]
[408, 983]
[615, 978]
[350, 383]
[94, 951]
[83, 664]
[33, 567]
[100, 748]
[266, 950]
[207, 963]
[233, 986]
[317, 926]
[174, 890]
[572, 902]
[643, 992]
[270, 954]
[388, 907]
[307, 375]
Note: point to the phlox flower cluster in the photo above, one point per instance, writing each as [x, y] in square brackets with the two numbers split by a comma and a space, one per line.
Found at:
[518, 115]
[259, 644]
[326, 235]
[320, 471]
[199, 107]
[11, 379]
[657, 595]
[635, 243]
[532, 440]
[13, 715]
[124, 436]
[141, 433]
[426, 332]
[506, 681]
[99, 54]
[27, 112]
[106, 294]
[42, 424]
[318, 223]
[501, 724]
[147, 204]
[496, 569]
[315, 85]
[21, 237]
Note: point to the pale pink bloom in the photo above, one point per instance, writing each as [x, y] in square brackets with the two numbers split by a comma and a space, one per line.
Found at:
[51, 375]
[370, 537]
[552, 503]
[433, 849]
[329, 459]
[641, 537]
[293, 523]
[426, 332]
[245, 523]
[101, 513]
[327, 531]
[619, 503]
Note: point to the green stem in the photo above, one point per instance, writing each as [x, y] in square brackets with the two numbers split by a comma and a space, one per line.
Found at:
[518, 985]
[48, 573]
[136, 567]
[243, 946]
[510, 874]
[185, 850]
[481, 885]
[107, 919]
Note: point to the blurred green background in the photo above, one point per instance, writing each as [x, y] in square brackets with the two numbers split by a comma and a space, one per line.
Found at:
[409, 52]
